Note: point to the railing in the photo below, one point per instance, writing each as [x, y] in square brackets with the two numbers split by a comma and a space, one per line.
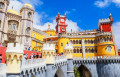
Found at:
[103, 33]
[85, 35]
[2, 70]
[59, 59]
[32, 63]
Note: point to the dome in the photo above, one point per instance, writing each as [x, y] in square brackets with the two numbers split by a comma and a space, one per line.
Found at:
[29, 5]
[13, 11]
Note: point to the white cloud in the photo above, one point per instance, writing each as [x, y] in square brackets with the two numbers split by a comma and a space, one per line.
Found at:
[17, 5]
[39, 16]
[67, 12]
[71, 25]
[105, 3]
[102, 4]
[116, 30]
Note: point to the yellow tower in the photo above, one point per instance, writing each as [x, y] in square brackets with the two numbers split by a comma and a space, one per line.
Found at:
[48, 53]
[62, 41]
[68, 50]
[14, 55]
[105, 46]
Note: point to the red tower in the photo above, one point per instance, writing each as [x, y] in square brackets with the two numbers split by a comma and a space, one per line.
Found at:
[105, 24]
[61, 25]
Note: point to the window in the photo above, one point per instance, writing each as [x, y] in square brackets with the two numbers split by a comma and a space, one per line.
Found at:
[109, 48]
[14, 26]
[36, 44]
[34, 35]
[27, 30]
[50, 34]
[63, 29]
[26, 39]
[10, 26]
[61, 44]
[1, 5]
[29, 14]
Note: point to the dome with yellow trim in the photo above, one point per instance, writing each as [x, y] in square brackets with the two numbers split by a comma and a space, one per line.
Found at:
[29, 5]
[13, 12]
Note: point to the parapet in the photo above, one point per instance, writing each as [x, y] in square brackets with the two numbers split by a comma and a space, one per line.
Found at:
[68, 46]
[11, 48]
[104, 20]
[48, 46]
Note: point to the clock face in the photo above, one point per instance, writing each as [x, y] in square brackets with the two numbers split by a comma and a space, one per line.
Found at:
[62, 20]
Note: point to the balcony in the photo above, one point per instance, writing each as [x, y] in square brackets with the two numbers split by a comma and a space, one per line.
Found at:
[11, 34]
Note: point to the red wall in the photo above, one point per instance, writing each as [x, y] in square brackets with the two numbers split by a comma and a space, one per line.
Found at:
[3, 52]
[106, 27]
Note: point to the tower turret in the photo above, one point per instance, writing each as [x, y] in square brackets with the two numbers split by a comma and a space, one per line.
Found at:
[27, 12]
[111, 18]
[61, 25]
[105, 24]
[3, 12]
[68, 50]
[14, 55]
[48, 53]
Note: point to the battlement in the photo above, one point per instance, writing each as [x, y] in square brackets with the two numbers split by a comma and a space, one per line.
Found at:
[33, 64]
[104, 20]
[69, 46]
[17, 48]
[48, 46]
[98, 59]
[60, 60]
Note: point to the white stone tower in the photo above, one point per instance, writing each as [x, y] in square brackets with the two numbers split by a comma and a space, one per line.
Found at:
[27, 12]
[14, 55]
[68, 50]
[3, 15]
[48, 53]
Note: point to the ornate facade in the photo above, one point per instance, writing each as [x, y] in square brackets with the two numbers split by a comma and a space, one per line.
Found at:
[16, 27]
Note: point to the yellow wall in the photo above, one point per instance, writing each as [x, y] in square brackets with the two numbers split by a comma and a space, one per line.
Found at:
[39, 37]
[64, 41]
[50, 32]
[102, 51]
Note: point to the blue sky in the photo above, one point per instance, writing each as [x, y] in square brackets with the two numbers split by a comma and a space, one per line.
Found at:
[81, 14]
[84, 12]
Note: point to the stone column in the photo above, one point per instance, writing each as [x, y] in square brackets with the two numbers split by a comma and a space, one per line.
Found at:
[83, 47]
[70, 68]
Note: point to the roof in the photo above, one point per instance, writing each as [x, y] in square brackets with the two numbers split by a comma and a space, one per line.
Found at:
[29, 5]
[13, 12]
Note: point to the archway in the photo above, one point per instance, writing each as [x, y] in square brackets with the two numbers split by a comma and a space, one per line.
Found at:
[82, 71]
[59, 73]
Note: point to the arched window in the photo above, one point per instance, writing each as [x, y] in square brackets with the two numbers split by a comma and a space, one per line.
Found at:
[73, 41]
[28, 30]
[80, 50]
[77, 50]
[10, 26]
[79, 41]
[26, 39]
[76, 41]
[29, 15]
[109, 48]
[34, 35]
[14, 26]
[74, 50]
[1, 5]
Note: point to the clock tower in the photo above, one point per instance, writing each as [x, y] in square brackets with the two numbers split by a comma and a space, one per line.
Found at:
[61, 25]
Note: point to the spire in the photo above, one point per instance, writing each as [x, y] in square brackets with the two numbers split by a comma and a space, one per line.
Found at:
[48, 26]
[110, 14]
